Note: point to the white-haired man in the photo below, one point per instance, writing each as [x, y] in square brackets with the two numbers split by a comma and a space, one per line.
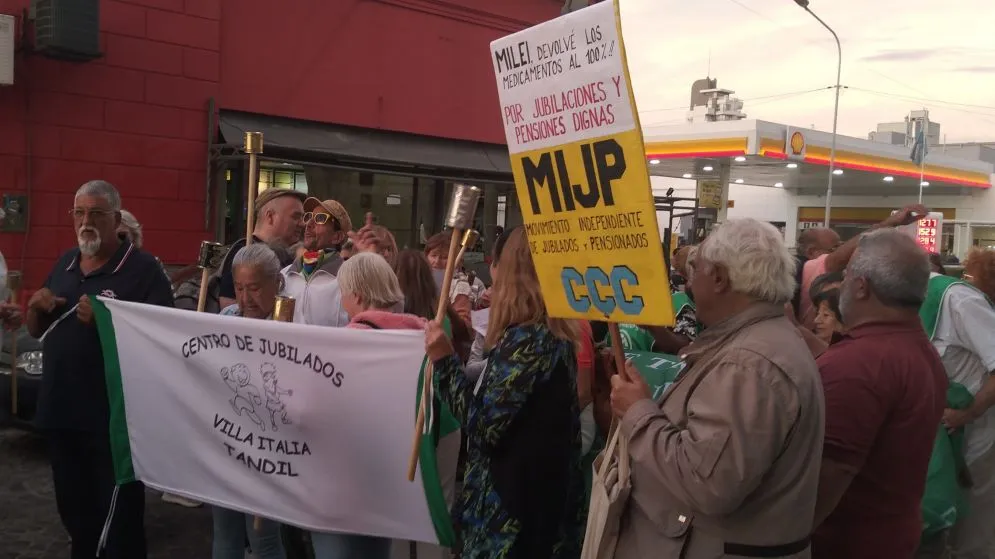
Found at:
[73, 409]
[731, 451]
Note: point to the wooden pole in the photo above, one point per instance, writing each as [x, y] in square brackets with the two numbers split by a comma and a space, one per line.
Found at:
[617, 349]
[205, 276]
[253, 147]
[440, 314]
[210, 257]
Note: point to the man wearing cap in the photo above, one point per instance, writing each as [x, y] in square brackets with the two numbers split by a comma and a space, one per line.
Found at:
[278, 220]
[311, 278]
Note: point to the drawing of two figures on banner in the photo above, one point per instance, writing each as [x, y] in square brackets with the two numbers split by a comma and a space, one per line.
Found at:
[246, 397]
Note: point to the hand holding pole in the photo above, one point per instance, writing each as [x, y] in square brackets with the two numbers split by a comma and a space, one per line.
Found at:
[459, 218]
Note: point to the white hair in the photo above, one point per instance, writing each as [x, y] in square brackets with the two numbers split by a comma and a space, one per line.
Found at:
[894, 265]
[104, 189]
[134, 228]
[370, 276]
[692, 255]
[261, 257]
[758, 262]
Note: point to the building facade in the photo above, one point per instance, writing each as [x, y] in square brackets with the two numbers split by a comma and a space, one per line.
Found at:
[382, 103]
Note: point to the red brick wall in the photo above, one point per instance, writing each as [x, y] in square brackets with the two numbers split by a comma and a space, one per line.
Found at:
[137, 117]
[419, 66]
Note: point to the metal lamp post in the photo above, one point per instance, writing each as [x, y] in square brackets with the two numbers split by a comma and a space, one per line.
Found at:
[836, 107]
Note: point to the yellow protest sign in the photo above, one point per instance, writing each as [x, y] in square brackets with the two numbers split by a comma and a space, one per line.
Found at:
[580, 169]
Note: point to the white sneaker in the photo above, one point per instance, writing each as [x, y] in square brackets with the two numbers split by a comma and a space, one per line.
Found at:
[182, 501]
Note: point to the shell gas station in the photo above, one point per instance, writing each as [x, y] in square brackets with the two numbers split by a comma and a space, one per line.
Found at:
[870, 180]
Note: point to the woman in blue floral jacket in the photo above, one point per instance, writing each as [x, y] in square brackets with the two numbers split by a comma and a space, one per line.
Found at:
[523, 486]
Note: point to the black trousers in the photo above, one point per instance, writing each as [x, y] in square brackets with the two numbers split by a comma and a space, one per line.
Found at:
[83, 473]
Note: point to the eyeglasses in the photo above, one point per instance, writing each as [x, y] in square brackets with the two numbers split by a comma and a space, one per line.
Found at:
[318, 218]
[96, 213]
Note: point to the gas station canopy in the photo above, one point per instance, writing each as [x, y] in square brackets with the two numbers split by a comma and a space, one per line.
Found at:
[777, 155]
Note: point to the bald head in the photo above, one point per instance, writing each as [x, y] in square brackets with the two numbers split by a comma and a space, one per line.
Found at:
[815, 242]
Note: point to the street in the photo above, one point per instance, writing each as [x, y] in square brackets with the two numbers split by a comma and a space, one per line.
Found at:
[29, 523]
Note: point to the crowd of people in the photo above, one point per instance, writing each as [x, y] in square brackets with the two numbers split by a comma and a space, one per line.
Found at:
[805, 421]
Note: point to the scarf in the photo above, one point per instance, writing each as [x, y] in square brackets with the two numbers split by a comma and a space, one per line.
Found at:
[311, 261]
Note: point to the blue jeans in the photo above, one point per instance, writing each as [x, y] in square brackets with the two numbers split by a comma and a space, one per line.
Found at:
[232, 527]
[330, 545]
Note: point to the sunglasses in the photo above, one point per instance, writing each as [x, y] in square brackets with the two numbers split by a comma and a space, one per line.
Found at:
[318, 218]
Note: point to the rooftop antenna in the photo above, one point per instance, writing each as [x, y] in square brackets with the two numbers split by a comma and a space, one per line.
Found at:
[708, 74]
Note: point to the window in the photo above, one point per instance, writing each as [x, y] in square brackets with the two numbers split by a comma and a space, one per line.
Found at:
[280, 178]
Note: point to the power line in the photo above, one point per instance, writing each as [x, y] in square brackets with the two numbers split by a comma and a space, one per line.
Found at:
[987, 117]
[770, 97]
[923, 99]
[821, 44]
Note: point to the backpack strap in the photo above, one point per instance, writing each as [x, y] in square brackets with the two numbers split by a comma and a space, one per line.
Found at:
[368, 323]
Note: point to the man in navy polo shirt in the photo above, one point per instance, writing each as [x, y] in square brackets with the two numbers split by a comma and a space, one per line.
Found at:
[73, 407]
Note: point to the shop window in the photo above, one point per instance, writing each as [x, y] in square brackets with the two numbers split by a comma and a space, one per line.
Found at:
[282, 178]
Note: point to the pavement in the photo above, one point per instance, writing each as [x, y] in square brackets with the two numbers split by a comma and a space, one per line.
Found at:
[30, 526]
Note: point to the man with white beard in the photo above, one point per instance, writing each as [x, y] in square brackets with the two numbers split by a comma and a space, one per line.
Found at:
[73, 409]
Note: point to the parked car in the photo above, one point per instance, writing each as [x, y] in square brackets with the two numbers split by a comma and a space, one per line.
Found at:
[29, 351]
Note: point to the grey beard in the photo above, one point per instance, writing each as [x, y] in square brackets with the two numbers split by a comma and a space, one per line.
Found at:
[89, 248]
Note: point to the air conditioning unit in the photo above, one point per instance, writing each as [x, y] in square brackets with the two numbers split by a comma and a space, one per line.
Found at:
[8, 27]
[67, 29]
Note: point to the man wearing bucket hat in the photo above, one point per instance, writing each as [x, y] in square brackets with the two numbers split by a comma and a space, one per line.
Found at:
[278, 220]
[311, 278]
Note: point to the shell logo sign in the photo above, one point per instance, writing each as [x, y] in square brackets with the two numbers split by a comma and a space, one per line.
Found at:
[796, 144]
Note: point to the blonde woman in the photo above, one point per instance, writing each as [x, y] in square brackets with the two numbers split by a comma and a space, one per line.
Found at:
[523, 486]
[373, 300]
[371, 295]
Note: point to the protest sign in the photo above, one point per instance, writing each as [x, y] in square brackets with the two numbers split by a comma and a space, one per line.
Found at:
[305, 425]
[580, 169]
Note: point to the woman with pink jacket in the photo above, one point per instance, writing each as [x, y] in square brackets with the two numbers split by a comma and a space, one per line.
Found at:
[372, 297]
[373, 300]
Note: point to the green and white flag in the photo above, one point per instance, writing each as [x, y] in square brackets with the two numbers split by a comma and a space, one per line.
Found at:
[304, 425]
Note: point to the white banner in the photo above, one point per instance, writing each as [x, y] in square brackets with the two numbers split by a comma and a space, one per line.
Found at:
[305, 425]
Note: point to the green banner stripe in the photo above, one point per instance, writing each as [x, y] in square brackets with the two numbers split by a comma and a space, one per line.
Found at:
[437, 508]
[431, 481]
[124, 470]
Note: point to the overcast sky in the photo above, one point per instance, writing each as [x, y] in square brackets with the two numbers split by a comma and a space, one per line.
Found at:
[911, 53]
